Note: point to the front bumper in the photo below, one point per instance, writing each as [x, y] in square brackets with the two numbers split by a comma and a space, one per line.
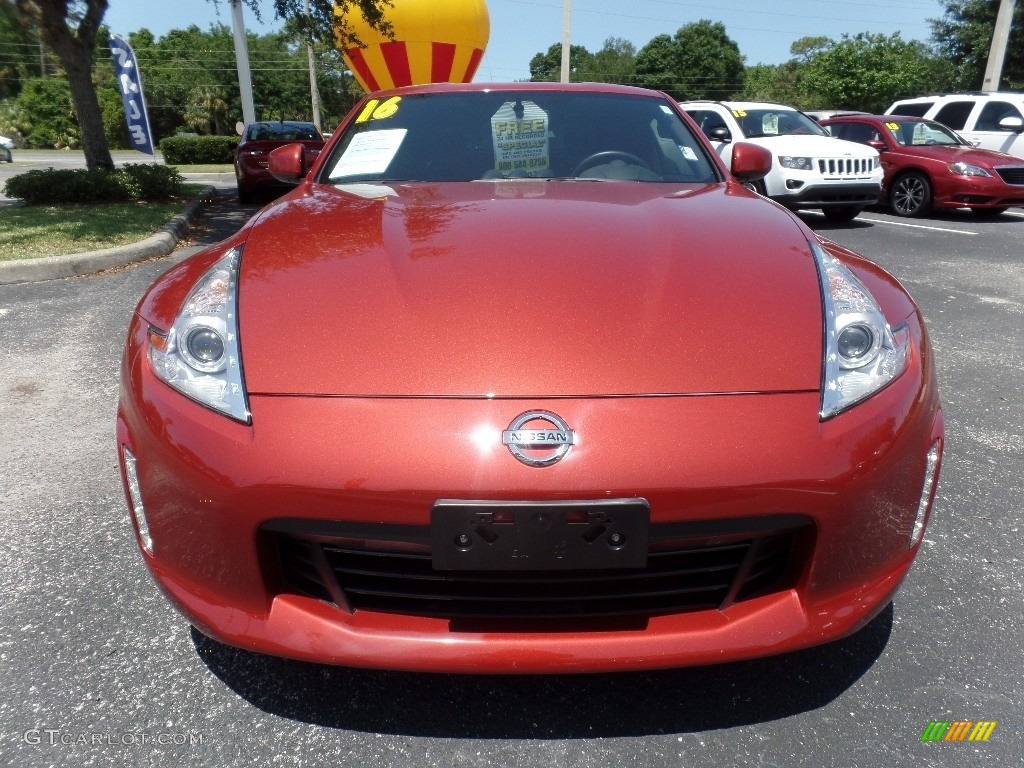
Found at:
[811, 194]
[213, 488]
[977, 192]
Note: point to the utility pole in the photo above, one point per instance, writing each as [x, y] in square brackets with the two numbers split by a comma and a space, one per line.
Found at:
[997, 52]
[242, 57]
[314, 89]
[566, 16]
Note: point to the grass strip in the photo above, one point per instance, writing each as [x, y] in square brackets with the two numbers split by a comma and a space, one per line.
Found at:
[31, 232]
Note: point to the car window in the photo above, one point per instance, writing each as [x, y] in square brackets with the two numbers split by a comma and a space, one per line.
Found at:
[912, 110]
[467, 136]
[862, 133]
[922, 133]
[955, 114]
[283, 132]
[993, 112]
[757, 123]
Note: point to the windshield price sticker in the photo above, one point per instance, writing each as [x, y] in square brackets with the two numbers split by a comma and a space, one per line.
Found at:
[893, 126]
[369, 152]
[520, 135]
[377, 110]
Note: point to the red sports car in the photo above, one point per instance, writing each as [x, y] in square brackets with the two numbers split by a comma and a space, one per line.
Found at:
[253, 152]
[928, 166]
[520, 378]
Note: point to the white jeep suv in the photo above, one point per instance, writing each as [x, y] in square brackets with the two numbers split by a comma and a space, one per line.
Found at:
[810, 169]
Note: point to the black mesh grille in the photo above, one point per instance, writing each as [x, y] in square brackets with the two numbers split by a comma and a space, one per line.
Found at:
[1012, 175]
[680, 577]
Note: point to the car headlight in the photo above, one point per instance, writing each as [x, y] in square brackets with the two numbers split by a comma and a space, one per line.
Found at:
[965, 169]
[199, 355]
[862, 354]
[797, 163]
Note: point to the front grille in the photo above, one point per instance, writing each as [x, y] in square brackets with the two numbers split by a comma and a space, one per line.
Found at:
[846, 167]
[681, 575]
[1013, 174]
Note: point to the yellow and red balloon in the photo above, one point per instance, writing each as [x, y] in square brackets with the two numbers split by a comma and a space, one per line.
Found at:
[434, 42]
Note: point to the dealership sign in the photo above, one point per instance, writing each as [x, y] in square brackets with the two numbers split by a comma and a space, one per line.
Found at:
[129, 82]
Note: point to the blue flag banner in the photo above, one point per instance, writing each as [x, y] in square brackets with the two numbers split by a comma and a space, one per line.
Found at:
[129, 81]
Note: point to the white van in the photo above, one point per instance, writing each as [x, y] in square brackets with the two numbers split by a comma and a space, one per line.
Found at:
[992, 120]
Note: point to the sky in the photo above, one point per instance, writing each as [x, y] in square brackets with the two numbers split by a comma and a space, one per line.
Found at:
[520, 29]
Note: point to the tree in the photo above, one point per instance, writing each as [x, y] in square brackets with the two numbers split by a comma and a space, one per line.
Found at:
[70, 28]
[964, 36]
[323, 23]
[74, 47]
[699, 62]
[778, 83]
[868, 72]
[547, 67]
[614, 63]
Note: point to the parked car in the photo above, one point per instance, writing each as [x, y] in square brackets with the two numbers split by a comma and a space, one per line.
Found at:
[989, 120]
[928, 166]
[519, 379]
[6, 145]
[258, 139]
[811, 169]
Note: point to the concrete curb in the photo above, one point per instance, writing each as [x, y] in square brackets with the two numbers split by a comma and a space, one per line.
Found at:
[56, 267]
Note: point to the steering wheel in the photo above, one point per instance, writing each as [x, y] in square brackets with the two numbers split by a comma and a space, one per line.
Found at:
[599, 158]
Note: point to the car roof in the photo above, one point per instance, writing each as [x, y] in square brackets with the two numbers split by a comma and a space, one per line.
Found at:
[741, 104]
[879, 118]
[524, 86]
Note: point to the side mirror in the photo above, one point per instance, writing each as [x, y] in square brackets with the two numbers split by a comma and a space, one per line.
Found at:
[1014, 124]
[719, 133]
[288, 163]
[876, 144]
[750, 162]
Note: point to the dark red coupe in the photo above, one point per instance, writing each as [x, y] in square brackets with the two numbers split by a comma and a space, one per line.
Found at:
[521, 379]
[929, 166]
[253, 152]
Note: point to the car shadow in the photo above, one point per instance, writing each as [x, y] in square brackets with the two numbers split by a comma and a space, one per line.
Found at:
[548, 706]
[819, 223]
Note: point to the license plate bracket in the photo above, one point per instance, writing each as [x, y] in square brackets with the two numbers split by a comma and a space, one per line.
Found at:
[568, 535]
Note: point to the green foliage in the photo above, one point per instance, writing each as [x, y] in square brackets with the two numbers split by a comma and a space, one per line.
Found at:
[45, 115]
[191, 79]
[867, 72]
[199, 150]
[964, 35]
[776, 83]
[77, 185]
[148, 181]
[615, 62]
[700, 62]
[547, 67]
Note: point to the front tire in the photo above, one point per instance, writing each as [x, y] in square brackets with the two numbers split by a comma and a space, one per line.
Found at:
[842, 213]
[911, 195]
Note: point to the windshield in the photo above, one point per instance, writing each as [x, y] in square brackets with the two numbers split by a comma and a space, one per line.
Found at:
[922, 132]
[757, 123]
[480, 135]
[278, 131]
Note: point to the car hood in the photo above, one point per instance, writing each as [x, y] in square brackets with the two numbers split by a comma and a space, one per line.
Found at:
[528, 288]
[957, 153]
[812, 146]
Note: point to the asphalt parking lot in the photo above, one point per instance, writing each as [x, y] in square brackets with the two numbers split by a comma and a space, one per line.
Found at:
[98, 669]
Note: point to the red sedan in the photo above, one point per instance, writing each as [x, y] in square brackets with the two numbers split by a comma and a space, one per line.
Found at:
[253, 152]
[928, 166]
[521, 379]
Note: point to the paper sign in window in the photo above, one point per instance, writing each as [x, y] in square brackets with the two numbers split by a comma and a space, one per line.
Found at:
[369, 152]
[520, 134]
